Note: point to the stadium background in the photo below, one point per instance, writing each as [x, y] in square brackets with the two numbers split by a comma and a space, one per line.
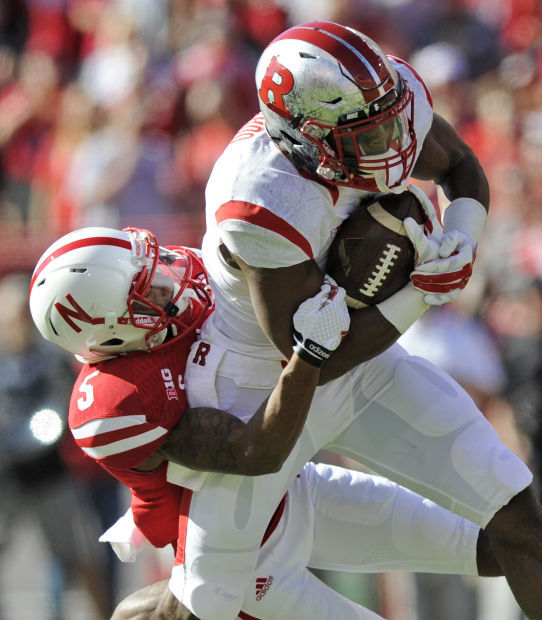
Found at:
[112, 112]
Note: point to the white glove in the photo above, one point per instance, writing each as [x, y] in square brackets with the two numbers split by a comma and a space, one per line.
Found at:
[443, 266]
[321, 323]
[444, 278]
[426, 245]
[441, 270]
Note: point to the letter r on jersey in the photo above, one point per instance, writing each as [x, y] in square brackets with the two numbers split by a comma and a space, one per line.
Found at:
[277, 82]
[201, 353]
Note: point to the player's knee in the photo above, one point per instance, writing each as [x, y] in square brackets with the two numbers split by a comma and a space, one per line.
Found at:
[141, 605]
[519, 522]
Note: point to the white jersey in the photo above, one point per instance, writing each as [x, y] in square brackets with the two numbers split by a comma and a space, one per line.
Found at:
[271, 215]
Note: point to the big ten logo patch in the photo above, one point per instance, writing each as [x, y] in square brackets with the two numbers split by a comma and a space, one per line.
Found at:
[202, 352]
[169, 384]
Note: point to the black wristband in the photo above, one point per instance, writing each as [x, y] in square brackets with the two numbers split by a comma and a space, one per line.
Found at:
[310, 351]
[306, 356]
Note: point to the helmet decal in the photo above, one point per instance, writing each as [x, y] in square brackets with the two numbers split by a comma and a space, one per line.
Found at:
[277, 82]
[362, 62]
[76, 313]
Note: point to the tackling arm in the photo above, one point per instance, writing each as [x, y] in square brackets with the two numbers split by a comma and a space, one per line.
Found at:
[209, 439]
[213, 440]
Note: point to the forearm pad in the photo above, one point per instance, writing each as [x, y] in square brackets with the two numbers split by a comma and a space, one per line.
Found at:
[403, 308]
[467, 215]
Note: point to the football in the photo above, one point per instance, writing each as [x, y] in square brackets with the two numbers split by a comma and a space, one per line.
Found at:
[372, 257]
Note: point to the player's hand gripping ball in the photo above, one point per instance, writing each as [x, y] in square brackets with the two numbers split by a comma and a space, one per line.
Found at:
[372, 257]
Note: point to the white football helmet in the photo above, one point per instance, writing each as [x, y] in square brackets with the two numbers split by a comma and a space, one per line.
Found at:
[335, 105]
[101, 292]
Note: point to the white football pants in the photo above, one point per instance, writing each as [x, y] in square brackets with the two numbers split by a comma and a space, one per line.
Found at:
[399, 415]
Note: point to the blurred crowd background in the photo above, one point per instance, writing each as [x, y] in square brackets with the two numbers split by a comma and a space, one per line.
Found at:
[112, 112]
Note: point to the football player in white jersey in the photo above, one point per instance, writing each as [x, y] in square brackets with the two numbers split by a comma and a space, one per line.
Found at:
[339, 122]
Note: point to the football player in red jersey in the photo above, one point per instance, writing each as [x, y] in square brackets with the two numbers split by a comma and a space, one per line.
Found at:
[112, 297]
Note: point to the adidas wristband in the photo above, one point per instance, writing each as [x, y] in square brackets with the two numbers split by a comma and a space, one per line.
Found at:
[310, 351]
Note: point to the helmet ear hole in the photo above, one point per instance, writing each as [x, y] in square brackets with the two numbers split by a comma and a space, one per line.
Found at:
[113, 342]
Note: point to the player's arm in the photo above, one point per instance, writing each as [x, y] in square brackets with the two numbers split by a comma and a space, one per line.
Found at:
[209, 439]
[275, 295]
[449, 162]
[212, 440]
[444, 159]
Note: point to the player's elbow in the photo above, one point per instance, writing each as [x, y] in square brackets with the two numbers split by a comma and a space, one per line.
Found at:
[258, 453]
[260, 464]
[263, 468]
[270, 467]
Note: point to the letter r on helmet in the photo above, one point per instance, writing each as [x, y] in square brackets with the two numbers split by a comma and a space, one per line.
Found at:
[277, 82]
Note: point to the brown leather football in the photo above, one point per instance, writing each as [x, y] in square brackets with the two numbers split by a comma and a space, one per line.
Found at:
[371, 256]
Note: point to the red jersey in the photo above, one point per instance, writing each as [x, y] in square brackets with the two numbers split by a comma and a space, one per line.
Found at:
[120, 412]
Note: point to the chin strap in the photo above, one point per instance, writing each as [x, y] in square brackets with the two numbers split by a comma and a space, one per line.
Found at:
[171, 309]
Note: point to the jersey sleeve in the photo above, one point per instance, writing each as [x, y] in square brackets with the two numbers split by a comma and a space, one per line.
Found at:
[119, 442]
[260, 237]
[423, 109]
[109, 422]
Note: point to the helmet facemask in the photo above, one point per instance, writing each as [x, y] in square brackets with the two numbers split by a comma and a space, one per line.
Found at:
[170, 294]
[362, 150]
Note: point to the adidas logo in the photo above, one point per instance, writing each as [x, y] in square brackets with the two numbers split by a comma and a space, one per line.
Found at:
[262, 585]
